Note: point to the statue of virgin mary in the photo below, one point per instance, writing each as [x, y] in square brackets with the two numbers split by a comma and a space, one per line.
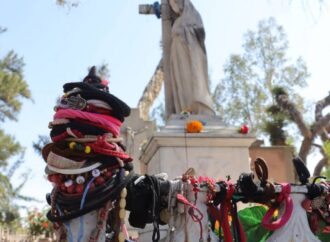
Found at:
[188, 83]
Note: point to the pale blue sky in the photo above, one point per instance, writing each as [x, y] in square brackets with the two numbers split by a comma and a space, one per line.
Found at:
[59, 44]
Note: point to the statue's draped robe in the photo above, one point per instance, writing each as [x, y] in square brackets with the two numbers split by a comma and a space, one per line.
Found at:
[189, 85]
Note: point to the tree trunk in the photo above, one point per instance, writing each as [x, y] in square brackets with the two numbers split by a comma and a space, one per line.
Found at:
[305, 148]
[318, 168]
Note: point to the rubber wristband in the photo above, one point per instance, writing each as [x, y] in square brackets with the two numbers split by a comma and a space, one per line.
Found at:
[283, 196]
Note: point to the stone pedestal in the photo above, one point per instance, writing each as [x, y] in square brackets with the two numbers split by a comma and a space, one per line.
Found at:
[279, 162]
[217, 151]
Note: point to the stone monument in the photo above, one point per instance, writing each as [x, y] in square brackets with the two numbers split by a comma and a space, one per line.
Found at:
[218, 150]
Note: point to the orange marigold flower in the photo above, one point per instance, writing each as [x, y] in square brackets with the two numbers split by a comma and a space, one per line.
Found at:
[45, 225]
[194, 126]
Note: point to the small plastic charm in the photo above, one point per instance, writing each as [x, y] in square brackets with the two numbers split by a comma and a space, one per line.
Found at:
[122, 214]
[73, 102]
[88, 149]
[99, 180]
[123, 193]
[122, 203]
[68, 183]
[71, 189]
[80, 180]
[72, 145]
[96, 173]
[79, 188]
[121, 237]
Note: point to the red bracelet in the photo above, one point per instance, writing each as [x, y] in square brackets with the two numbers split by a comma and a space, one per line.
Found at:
[283, 196]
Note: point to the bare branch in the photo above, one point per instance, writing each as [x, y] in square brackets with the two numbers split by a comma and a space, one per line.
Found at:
[322, 163]
[295, 114]
[320, 105]
[151, 91]
[322, 124]
[319, 166]
[305, 148]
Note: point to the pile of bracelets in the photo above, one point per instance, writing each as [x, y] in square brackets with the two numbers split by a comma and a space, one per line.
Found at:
[86, 160]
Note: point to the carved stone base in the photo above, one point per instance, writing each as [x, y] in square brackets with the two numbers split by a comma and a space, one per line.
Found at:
[217, 151]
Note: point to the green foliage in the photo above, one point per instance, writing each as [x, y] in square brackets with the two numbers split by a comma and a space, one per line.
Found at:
[276, 120]
[274, 126]
[13, 88]
[8, 211]
[326, 147]
[251, 222]
[277, 91]
[323, 232]
[326, 173]
[8, 147]
[246, 90]
[41, 142]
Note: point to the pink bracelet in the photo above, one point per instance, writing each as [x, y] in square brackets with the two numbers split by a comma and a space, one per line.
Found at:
[112, 124]
[283, 196]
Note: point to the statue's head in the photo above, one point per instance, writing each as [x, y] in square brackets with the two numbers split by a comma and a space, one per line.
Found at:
[177, 6]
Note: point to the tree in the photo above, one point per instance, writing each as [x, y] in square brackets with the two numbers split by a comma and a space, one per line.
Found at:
[320, 128]
[68, 3]
[246, 90]
[13, 88]
[276, 121]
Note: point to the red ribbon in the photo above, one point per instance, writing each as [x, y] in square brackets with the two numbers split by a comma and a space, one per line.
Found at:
[101, 146]
[223, 214]
[191, 211]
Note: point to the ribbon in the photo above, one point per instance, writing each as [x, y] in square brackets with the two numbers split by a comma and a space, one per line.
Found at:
[191, 211]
